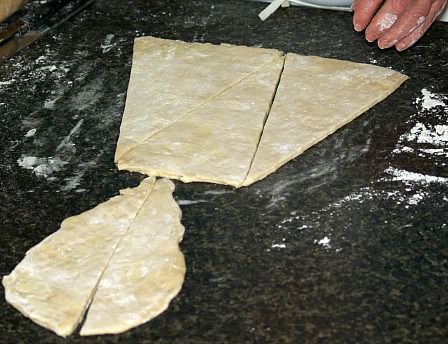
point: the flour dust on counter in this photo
(426, 141)
(119, 262)
(70, 93)
(428, 136)
(46, 167)
(399, 186)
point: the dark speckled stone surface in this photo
(346, 244)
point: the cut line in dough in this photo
(228, 136)
(58, 278)
(216, 142)
(327, 94)
(146, 271)
(153, 102)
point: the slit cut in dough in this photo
(58, 278)
(315, 97)
(196, 112)
(172, 79)
(146, 271)
(216, 142)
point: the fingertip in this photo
(357, 27)
(385, 42)
(370, 35)
(383, 45)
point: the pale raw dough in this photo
(146, 271)
(315, 97)
(216, 142)
(54, 283)
(196, 112)
(171, 79)
(123, 254)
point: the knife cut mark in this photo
(98, 281)
(266, 117)
(214, 97)
(44, 286)
(201, 104)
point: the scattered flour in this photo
(325, 242)
(42, 167)
(412, 177)
(387, 22)
(7, 82)
(421, 20)
(31, 132)
(217, 192)
(190, 202)
(49, 103)
(415, 199)
(430, 100)
(427, 138)
(278, 246)
(46, 166)
(436, 135)
(107, 44)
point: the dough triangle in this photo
(315, 97)
(216, 142)
(169, 79)
(146, 271)
(54, 283)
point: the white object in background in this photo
(444, 15)
(271, 9)
(337, 5)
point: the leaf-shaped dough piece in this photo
(146, 271)
(54, 283)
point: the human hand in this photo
(398, 23)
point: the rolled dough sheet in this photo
(171, 79)
(54, 283)
(315, 97)
(146, 271)
(195, 112)
(215, 142)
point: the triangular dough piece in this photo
(315, 97)
(169, 79)
(54, 283)
(146, 271)
(216, 142)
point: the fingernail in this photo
(400, 47)
(386, 45)
(369, 37)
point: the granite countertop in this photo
(348, 243)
